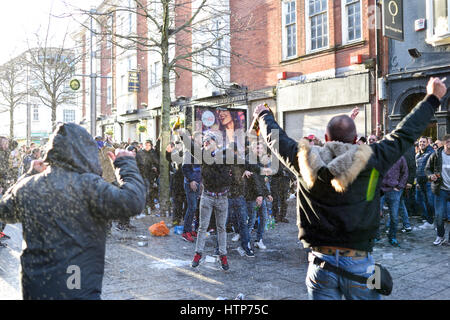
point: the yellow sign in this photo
(75, 84)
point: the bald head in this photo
(341, 128)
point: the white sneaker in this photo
(236, 237)
(259, 244)
(439, 241)
(142, 215)
(427, 225)
(241, 251)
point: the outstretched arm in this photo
(395, 144)
(280, 144)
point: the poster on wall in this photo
(228, 124)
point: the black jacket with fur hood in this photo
(338, 192)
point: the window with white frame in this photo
(438, 30)
(68, 115)
(109, 95)
(351, 20)
(154, 74)
(289, 23)
(317, 24)
(218, 59)
(35, 113)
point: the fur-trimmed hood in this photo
(344, 161)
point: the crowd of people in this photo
(221, 187)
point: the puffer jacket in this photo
(338, 185)
(64, 213)
(421, 162)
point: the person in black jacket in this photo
(65, 210)
(279, 187)
(216, 181)
(176, 181)
(438, 172)
(148, 164)
(244, 179)
(408, 195)
(258, 189)
(424, 195)
(338, 193)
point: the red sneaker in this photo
(2, 235)
(187, 237)
(196, 260)
(224, 262)
(194, 234)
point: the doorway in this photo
(409, 103)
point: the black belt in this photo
(216, 194)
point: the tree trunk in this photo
(164, 196)
(54, 116)
(165, 137)
(11, 122)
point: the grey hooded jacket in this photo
(64, 213)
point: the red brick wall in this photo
(263, 45)
(142, 57)
(105, 69)
(183, 84)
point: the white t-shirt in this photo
(445, 171)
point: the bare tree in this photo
(51, 68)
(12, 88)
(190, 36)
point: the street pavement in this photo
(161, 268)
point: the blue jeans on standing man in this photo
(425, 200)
(392, 200)
(191, 199)
(237, 208)
(441, 202)
(325, 285)
(253, 213)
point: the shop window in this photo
(438, 29)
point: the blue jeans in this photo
(238, 208)
(441, 202)
(392, 200)
(402, 212)
(191, 199)
(425, 200)
(252, 213)
(325, 285)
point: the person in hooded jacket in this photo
(64, 206)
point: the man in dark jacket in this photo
(338, 193)
(64, 212)
(409, 192)
(192, 173)
(424, 196)
(148, 164)
(438, 171)
(279, 187)
(4, 177)
(245, 179)
(216, 180)
(392, 186)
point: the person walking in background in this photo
(424, 196)
(393, 184)
(438, 172)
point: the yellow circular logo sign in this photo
(75, 84)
